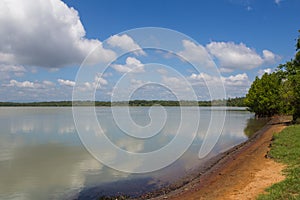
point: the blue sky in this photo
(44, 43)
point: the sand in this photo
(243, 172)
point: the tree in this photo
(291, 75)
(262, 97)
(279, 92)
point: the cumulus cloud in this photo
(100, 80)
(48, 83)
(125, 43)
(269, 57)
(45, 33)
(196, 54)
(179, 87)
(202, 76)
(225, 70)
(176, 82)
(24, 84)
(238, 56)
(132, 65)
(263, 71)
(98, 83)
(237, 80)
(162, 71)
(137, 83)
(28, 84)
(38, 90)
(235, 85)
(11, 70)
(66, 82)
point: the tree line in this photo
(278, 92)
(238, 101)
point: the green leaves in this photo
(279, 92)
(262, 97)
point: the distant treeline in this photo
(236, 102)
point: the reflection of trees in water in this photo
(253, 125)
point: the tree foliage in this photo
(262, 97)
(279, 92)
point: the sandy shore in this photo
(243, 172)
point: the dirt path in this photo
(242, 174)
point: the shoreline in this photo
(224, 175)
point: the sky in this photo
(46, 45)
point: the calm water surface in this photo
(42, 157)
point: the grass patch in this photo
(286, 149)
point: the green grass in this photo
(286, 149)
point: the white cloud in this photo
(132, 65)
(137, 83)
(236, 80)
(179, 86)
(24, 84)
(196, 54)
(229, 56)
(202, 76)
(98, 83)
(238, 56)
(225, 70)
(277, 1)
(263, 71)
(66, 82)
(269, 57)
(27, 90)
(87, 86)
(126, 43)
(48, 83)
(28, 84)
(100, 80)
(11, 70)
(235, 85)
(45, 33)
(162, 71)
(173, 81)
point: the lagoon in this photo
(42, 156)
